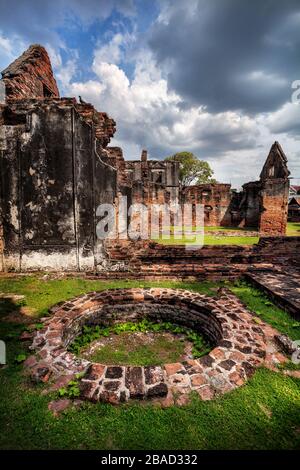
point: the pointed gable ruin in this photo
(30, 76)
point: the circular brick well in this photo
(239, 344)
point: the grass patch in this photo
(210, 240)
(40, 294)
(130, 349)
(293, 229)
(223, 240)
(265, 414)
(126, 347)
(213, 228)
(261, 305)
(289, 365)
(229, 229)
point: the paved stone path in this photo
(242, 343)
(283, 287)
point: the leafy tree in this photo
(191, 169)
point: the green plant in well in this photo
(70, 391)
(20, 358)
(124, 349)
(92, 333)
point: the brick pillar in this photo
(144, 156)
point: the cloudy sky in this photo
(209, 76)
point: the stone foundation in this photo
(241, 343)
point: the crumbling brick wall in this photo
(148, 260)
(51, 188)
(216, 200)
(261, 205)
(274, 200)
(30, 76)
(52, 178)
(104, 126)
(274, 193)
(153, 182)
(114, 157)
(264, 203)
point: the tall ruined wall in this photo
(30, 76)
(114, 157)
(251, 204)
(274, 201)
(51, 184)
(264, 203)
(274, 193)
(104, 126)
(52, 175)
(153, 182)
(216, 200)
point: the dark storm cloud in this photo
(230, 54)
(207, 143)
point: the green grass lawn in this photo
(293, 229)
(211, 240)
(264, 414)
(217, 228)
(242, 240)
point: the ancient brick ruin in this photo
(57, 167)
(30, 76)
(240, 345)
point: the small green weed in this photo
(92, 333)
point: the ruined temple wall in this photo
(50, 188)
(274, 202)
(274, 193)
(114, 157)
(104, 126)
(30, 76)
(215, 198)
(152, 181)
(251, 205)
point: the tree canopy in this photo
(191, 169)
